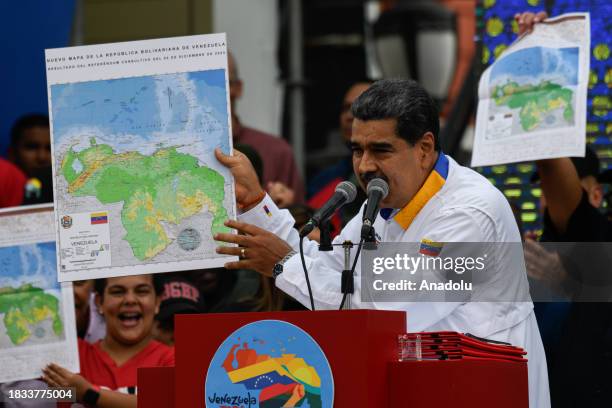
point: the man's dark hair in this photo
(158, 285)
(404, 100)
(27, 122)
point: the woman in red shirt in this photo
(108, 367)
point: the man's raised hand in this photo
(248, 189)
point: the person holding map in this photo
(108, 367)
(579, 353)
(431, 200)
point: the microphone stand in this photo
(325, 243)
(369, 237)
(347, 286)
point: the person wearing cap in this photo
(180, 297)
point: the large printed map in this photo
(136, 155)
(532, 99)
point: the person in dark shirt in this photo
(572, 195)
(581, 360)
(580, 356)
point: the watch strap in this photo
(91, 397)
(278, 267)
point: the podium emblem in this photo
(269, 364)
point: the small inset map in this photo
(30, 297)
(532, 89)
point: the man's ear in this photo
(428, 143)
(427, 147)
(596, 195)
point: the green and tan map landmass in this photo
(27, 306)
(166, 186)
(534, 101)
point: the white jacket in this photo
(457, 205)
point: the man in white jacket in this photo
(431, 199)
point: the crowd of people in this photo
(390, 128)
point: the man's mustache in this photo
(367, 177)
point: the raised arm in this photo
(561, 188)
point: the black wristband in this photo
(91, 397)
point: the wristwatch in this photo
(91, 396)
(278, 267)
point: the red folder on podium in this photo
(453, 346)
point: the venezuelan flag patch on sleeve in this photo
(267, 211)
(430, 248)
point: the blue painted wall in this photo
(27, 27)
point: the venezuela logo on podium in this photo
(269, 364)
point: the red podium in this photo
(361, 347)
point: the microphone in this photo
(377, 191)
(345, 193)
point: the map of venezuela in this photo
(165, 186)
(535, 101)
(30, 307)
(135, 156)
(538, 84)
(26, 306)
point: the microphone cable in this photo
(312, 306)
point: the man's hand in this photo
(527, 20)
(543, 265)
(282, 195)
(248, 189)
(258, 249)
(57, 376)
